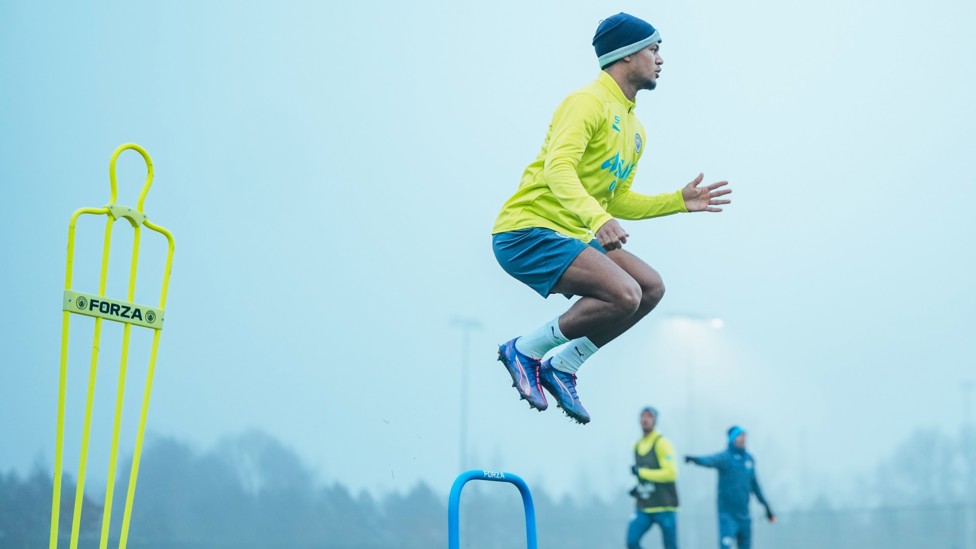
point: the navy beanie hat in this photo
(651, 410)
(734, 432)
(621, 35)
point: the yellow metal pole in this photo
(137, 452)
(120, 396)
(63, 377)
(90, 398)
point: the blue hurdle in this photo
(454, 504)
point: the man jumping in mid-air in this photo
(557, 233)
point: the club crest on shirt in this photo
(637, 142)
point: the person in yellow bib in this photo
(656, 493)
(559, 233)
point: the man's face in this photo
(647, 422)
(740, 441)
(647, 67)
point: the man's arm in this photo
(756, 490)
(754, 486)
(628, 204)
(573, 125)
(714, 461)
(668, 471)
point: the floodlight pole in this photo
(467, 325)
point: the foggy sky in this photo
(331, 175)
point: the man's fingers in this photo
(622, 237)
(720, 192)
(717, 201)
(611, 236)
(714, 186)
(697, 181)
(615, 242)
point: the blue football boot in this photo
(525, 374)
(563, 386)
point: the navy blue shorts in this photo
(538, 257)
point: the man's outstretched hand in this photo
(705, 199)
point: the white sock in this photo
(572, 356)
(537, 342)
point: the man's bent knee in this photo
(628, 299)
(651, 295)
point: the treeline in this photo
(250, 491)
(25, 509)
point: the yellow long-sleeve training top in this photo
(583, 174)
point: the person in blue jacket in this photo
(736, 482)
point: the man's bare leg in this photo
(652, 290)
(617, 289)
(610, 295)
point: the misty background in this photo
(331, 173)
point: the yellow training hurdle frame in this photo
(127, 312)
